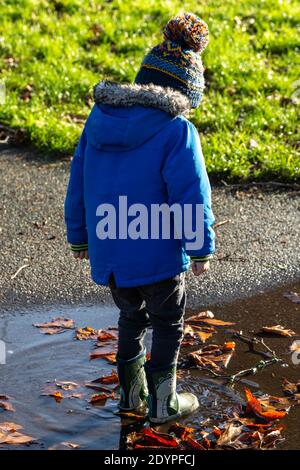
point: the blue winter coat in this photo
(152, 157)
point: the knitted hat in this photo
(176, 62)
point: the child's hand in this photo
(200, 268)
(81, 254)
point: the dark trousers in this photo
(160, 305)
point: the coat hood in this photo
(127, 115)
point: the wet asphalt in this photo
(257, 240)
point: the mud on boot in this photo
(164, 403)
(133, 384)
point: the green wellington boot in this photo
(133, 384)
(163, 401)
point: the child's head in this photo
(176, 62)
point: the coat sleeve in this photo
(188, 185)
(74, 201)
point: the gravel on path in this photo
(257, 240)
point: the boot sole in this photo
(193, 408)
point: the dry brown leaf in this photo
(229, 434)
(193, 332)
(106, 336)
(108, 379)
(291, 388)
(57, 325)
(293, 297)
(9, 434)
(216, 322)
(199, 316)
(278, 330)
(131, 415)
(101, 398)
(110, 357)
(87, 333)
(213, 356)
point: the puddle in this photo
(33, 359)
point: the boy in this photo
(138, 152)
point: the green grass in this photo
(52, 52)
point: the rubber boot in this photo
(164, 403)
(133, 384)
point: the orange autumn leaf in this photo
(101, 397)
(278, 330)
(110, 357)
(57, 395)
(149, 436)
(180, 431)
(254, 405)
(87, 333)
(57, 325)
(200, 316)
(131, 415)
(109, 379)
(216, 322)
(197, 332)
(106, 336)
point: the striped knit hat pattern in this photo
(176, 62)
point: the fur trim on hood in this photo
(167, 99)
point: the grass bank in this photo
(52, 52)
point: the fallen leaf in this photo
(149, 437)
(9, 434)
(278, 330)
(199, 316)
(101, 397)
(110, 357)
(106, 336)
(108, 379)
(229, 434)
(87, 333)
(255, 406)
(180, 431)
(216, 322)
(291, 388)
(198, 332)
(9, 427)
(57, 325)
(213, 356)
(293, 297)
(130, 415)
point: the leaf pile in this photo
(212, 356)
(252, 427)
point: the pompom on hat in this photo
(176, 62)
